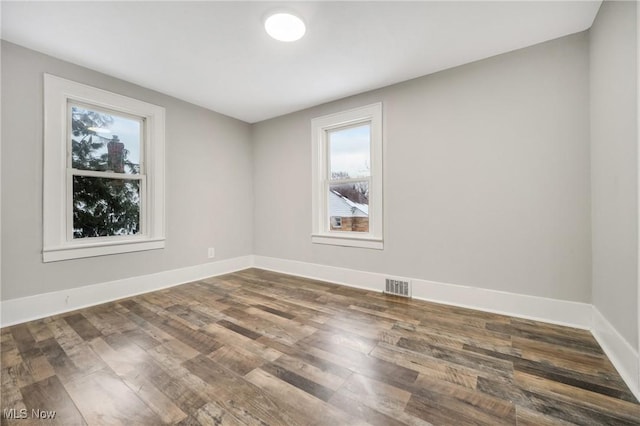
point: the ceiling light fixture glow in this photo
(284, 27)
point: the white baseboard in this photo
(621, 354)
(14, 311)
(23, 309)
(562, 312)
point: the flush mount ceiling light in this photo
(284, 27)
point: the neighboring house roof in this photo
(344, 207)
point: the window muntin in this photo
(347, 178)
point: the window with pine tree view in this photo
(103, 172)
(107, 172)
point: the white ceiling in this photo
(217, 55)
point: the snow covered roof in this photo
(344, 207)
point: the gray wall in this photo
(486, 176)
(209, 195)
(614, 164)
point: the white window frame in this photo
(58, 241)
(321, 232)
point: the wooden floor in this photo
(261, 348)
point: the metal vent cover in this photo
(397, 287)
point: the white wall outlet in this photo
(211, 252)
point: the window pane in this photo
(349, 207)
(104, 141)
(105, 207)
(349, 152)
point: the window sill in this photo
(370, 243)
(82, 250)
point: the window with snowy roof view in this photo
(347, 178)
(349, 166)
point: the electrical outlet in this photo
(211, 252)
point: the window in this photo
(347, 178)
(336, 222)
(103, 172)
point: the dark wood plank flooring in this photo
(260, 348)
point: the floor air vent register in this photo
(397, 287)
